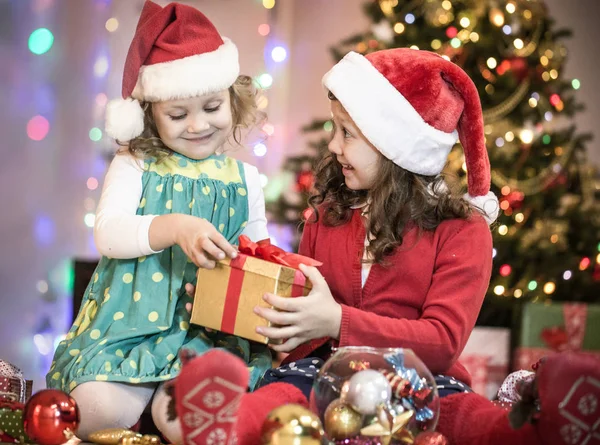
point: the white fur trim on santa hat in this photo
(386, 117)
(487, 205)
(190, 76)
(124, 119)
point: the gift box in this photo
(486, 356)
(13, 387)
(11, 423)
(226, 295)
(550, 328)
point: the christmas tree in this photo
(546, 237)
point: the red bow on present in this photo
(268, 252)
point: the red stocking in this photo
(213, 406)
(568, 392)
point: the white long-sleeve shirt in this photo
(120, 233)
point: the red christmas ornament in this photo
(50, 417)
(305, 181)
(430, 438)
(515, 199)
(519, 68)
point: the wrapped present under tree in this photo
(486, 356)
(549, 328)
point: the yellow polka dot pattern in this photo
(93, 348)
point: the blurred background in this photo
(63, 60)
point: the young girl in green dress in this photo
(172, 202)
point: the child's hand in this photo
(304, 318)
(190, 289)
(201, 241)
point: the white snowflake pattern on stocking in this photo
(571, 434)
(587, 404)
(217, 437)
(214, 399)
(579, 407)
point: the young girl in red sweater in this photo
(406, 262)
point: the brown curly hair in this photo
(397, 197)
(245, 114)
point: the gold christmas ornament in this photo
(292, 425)
(390, 426)
(121, 436)
(341, 420)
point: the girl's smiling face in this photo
(358, 157)
(196, 127)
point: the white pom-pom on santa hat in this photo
(487, 205)
(124, 119)
(176, 53)
(412, 105)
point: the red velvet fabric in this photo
(446, 98)
(166, 34)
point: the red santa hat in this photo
(412, 106)
(176, 53)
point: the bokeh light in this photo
(101, 99)
(260, 149)
(279, 54)
(112, 24)
(92, 183)
(95, 134)
(265, 80)
(269, 4)
(101, 66)
(264, 29)
(38, 128)
(40, 41)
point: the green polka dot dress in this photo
(133, 321)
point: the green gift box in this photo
(549, 328)
(11, 423)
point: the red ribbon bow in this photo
(268, 252)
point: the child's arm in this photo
(256, 229)
(118, 231)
